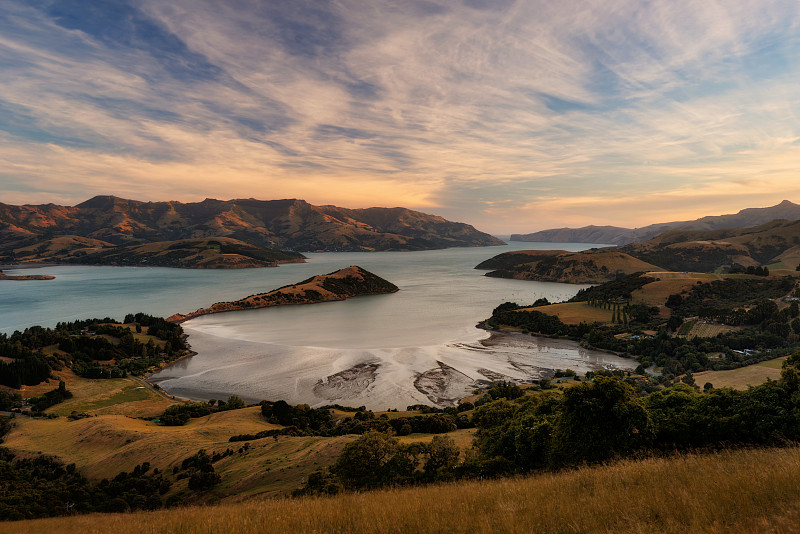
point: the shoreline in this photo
(495, 334)
(25, 277)
(381, 378)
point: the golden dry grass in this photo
(656, 293)
(116, 396)
(575, 312)
(462, 438)
(741, 378)
(103, 446)
(751, 491)
(71, 380)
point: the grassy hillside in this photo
(112, 396)
(772, 243)
(733, 491)
(104, 445)
(744, 377)
(210, 253)
(591, 267)
(575, 312)
(215, 253)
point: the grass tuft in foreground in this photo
(753, 490)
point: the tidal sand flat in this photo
(416, 346)
(378, 378)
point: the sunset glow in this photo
(511, 116)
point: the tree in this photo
(204, 480)
(599, 420)
(234, 402)
(373, 460)
(442, 456)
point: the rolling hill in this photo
(345, 283)
(615, 235)
(204, 253)
(775, 243)
(596, 266)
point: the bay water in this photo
(419, 345)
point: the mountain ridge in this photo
(616, 235)
(291, 224)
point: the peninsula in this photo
(345, 283)
(4, 276)
(774, 245)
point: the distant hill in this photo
(592, 267)
(615, 235)
(106, 221)
(208, 253)
(345, 283)
(776, 243)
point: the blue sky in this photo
(512, 116)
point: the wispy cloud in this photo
(510, 115)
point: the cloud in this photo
(513, 117)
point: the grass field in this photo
(652, 294)
(751, 491)
(656, 293)
(115, 396)
(103, 446)
(576, 312)
(741, 378)
(119, 436)
(462, 438)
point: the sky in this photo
(513, 116)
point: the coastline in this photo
(25, 277)
(496, 337)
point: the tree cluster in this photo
(606, 418)
(769, 331)
(82, 344)
(9, 401)
(45, 487)
(180, 414)
(199, 469)
(50, 398)
(378, 459)
(756, 271)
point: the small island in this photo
(4, 276)
(352, 281)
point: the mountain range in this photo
(615, 235)
(89, 231)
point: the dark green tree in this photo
(599, 420)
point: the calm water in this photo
(430, 277)
(417, 345)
